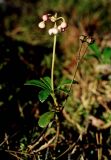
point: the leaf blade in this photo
(47, 82)
(95, 49)
(43, 95)
(106, 55)
(37, 83)
(45, 119)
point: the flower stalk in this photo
(53, 61)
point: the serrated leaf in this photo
(43, 95)
(47, 82)
(37, 83)
(45, 119)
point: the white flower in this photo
(57, 28)
(50, 31)
(53, 31)
(41, 24)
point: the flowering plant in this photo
(46, 84)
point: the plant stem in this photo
(57, 131)
(53, 59)
(78, 61)
(52, 71)
(52, 68)
(79, 58)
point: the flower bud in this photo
(45, 17)
(90, 40)
(41, 24)
(83, 38)
(63, 25)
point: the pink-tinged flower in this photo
(62, 29)
(56, 20)
(45, 17)
(41, 24)
(63, 25)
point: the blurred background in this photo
(26, 51)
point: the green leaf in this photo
(47, 82)
(45, 119)
(37, 83)
(95, 49)
(89, 56)
(43, 95)
(106, 55)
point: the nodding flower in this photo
(53, 31)
(45, 17)
(41, 24)
(59, 23)
(62, 26)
